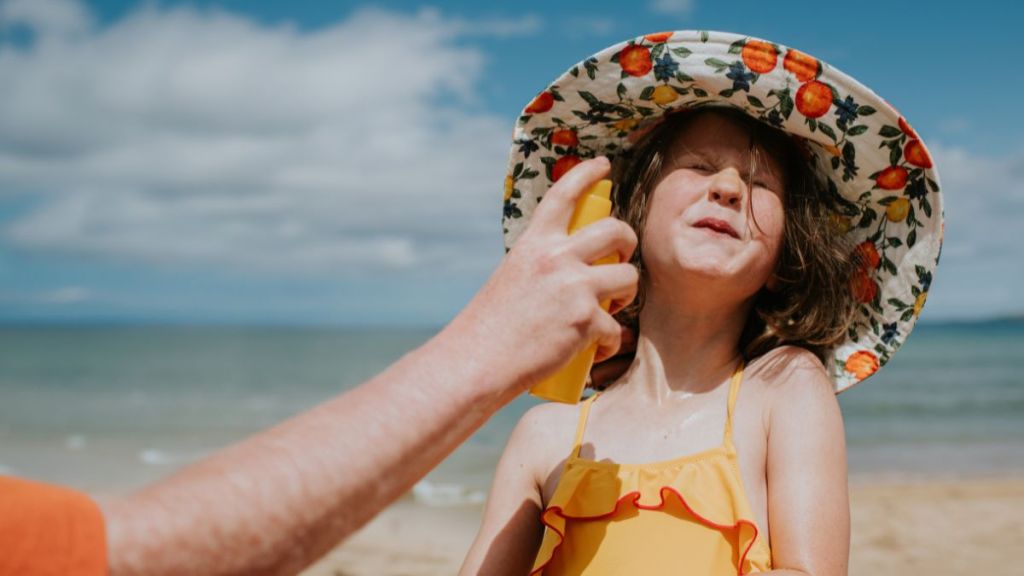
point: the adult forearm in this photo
(276, 502)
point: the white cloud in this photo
(47, 18)
(580, 26)
(184, 136)
(982, 267)
(500, 27)
(672, 7)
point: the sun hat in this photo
(861, 148)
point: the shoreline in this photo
(939, 527)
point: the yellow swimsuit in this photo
(688, 515)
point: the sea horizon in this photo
(109, 407)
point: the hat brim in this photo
(865, 152)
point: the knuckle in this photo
(625, 230)
(580, 316)
(545, 263)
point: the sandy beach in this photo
(941, 527)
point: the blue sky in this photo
(341, 162)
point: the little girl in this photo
(769, 282)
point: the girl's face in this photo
(703, 190)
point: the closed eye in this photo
(699, 166)
(767, 185)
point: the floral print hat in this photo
(863, 150)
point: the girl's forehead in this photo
(718, 134)
(713, 130)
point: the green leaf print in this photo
(888, 131)
(590, 98)
(827, 130)
(716, 63)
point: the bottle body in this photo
(566, 385)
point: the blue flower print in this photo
(925, 278)
(739, 76)
(846, 111)
(889, 332)
(665, 68)
(526, 146)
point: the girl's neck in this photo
(685, 348)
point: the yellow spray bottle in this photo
(567, 384)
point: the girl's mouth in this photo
(717, 225)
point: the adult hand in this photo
(542, 304)
(607, 370)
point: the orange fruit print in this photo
(658, 37)
(563, 165)
(760, 56)
(803, 66)
(542, 103)
(635, 60)
(905, 127)
(565, 138)
(862, 364)
(813, 99)
(892, 178)
(863, 287)
(915, 154)
(866, 255)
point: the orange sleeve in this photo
(47, 530)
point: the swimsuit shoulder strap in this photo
(582, 424)
(734, 388)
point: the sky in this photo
(341, 163)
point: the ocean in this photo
(109, 408)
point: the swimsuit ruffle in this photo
(609, 487)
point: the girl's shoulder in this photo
(786, 366)
(785, 373)
(551, 422)
(544, 435)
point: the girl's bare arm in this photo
(511, 530)
(808, 501)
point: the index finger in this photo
(559, 202)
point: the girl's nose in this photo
(726, 188)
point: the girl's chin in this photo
(706, 270)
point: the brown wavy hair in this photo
(812, 305)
